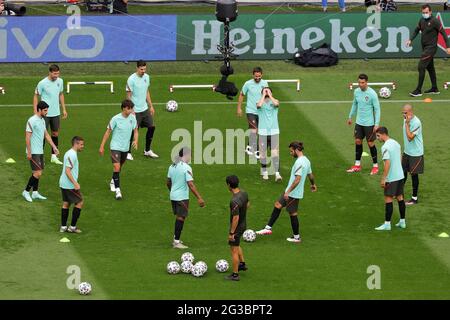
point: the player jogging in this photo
(253, 90)
(293, 193)
(70, 188)
(238, 212)
(179, 181)
(412, 159)
(367, 109)
(35, 133)
(392, 179)
(51, 90)
(138, 91)
(269, 132)
(121, 126)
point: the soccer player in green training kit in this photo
(366, 106)
(51, 90)
(121, 126)
(238, 223)
(70, 188)
(35, 133)
(252, 89)
(138, 92)
(179, 181)
(293, 193)
(269, 132)
(412, 160)
(392, 179)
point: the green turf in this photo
(125, 245)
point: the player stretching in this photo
(293, 192)
(269, 132)
(50, 89)
(35, 133)
(367, 109)
(392, 179)
(412, 160)
(138, 92)
(179, 181)
(70, 188)
(252, 89)
(121, 126)
(238, 212)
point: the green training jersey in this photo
(268, 119)
(391, 151)
(138, 86)
(36, 125)
(366, 106)
(121, 131)
(414, 147)
(49, 92)
(253, 91)
(180, 174)
(70, 161)
(301, 167)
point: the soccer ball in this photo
(385, 92)
(173, 267)
(172, 106)
(187, 256)
(222, 265)
(186, 266)
(249, 235)
(203, 265)
(84, 288)
(197, 271)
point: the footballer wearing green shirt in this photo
(121, 127)
(180, 180)
(51, 90)
(252, 90)
(412, 159)
(293, 192)
(366, 107)
(35, 133)
(70, 188)
(392, 179)
(138, 91)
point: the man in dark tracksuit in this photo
(430, 27)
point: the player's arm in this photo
(69, 175)
(136, 138)
(234, 224)
(292, 186)
(239, 105)
(62, 101)
(196, 193)
(149, 102)
(50, 142)
(28, 143)
(248, 204)
(352, 110)
(387, 166)
(105, 138)
(414, 35)
(313, 184)
(275, 102)
(35, 101)
(260, 102)
(169, 183)
(377, 110)
(410, 134)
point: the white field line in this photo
(230, 103)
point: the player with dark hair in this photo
(70, 188)
(429, 27)
(179, 181)
(238, 223)
(35, 133)
(51, 90)
(252, 89)
(293, 193)
(121, 126)
(366, 106)
(138, 91)
(392, 179)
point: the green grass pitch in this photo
(125, 245)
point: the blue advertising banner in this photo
(88, 38)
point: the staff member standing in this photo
(430, 27)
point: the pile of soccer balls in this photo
(197, 269)
(385, 93)
(172, 106)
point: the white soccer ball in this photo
(222, 265)
(186, 266)
(197, 271)
(187, 256)
(203, 265)
(173, 267)
(385, 92)
(249, 235)
(84, 288)
(172, 106)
